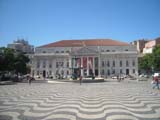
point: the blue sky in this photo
(46, 21)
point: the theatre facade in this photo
(99, 57)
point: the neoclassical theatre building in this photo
(99, 57)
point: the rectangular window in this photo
(56, 64)
(95, 61)
(61, 64)
(44, 64)
(102, 71)
(50, 64)
(133, 70)
(108, 72)
(67, 72)
(120, 71)
(50, 72)
(127, 64)
(67, 64)
(37, 72)
(38, 64)
(57, 72)
(113, 71)
(102, 63)
(108, 64)
(133, 63)
(120, 63)
(113, 63)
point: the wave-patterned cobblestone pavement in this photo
(71, 101)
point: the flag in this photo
(85, 62)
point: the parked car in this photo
(5, 77)
(144, 75)
(38, 76)
(74, 76)
(141, 75)
(114, 77)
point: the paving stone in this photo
(126, 100)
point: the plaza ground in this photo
(110, 100)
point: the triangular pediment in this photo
(84, 51)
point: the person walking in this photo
(80, 80)
(118, 78)
(156, 82)
(93, 77)
(29, 80)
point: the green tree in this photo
(156, 58)
(146, 62)
(11, 61)
(20, 63)
(6, 59)
(150, 62)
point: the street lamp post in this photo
(74, 66)
(152, 69)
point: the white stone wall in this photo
(147, 50)
(108, 53)
(49, 60)
(117, 58)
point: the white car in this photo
(114, 77)
(156, 74)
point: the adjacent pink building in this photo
(149, 46)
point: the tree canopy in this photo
(150, 62)
(146, 61)
(6, 59)
(13, 61)
(156, 58)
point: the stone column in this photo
(87, 67)
(93, 69)
(70, 65)
(82, 66)
(47, 67)
(99, 66)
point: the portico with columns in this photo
(85, 62)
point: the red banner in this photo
(85, 62)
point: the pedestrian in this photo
(155, 82)
(29, 80)
(80, 79)
(93, 76)
(118, 78)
